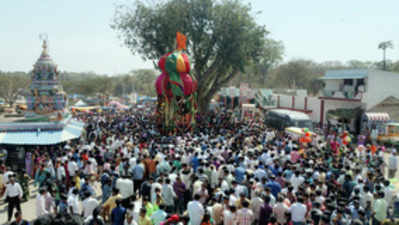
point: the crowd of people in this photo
(226, 172)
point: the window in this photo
(348, 81)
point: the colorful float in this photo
(176, 91)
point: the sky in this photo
(81, 39)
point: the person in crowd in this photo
(13, 195)
(41, 203)
(235, 170)
(195, 210)
(19, 220)
(118, 213)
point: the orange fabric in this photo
(181, 41)
(373, 149)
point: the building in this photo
(47, 121)
(356, 88)
(353, 95)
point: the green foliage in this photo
(297, 74)
(139, 81)
(12, 84)
(223, 37)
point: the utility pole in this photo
(384, 46)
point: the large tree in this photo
(223, 37)
(12, 85)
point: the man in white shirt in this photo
(72, 167)
(89, 204)
(60, 171)
(13, 195)
(73, 202)
(298, 212)
(229, 215)
(392, 164)
(41, 203)
(195, 210)
(296, 180)
(366, 197)
(126, 189)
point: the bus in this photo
(281, 119)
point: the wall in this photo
(332, 85)
(380, 86)
(311, 104)
(314, 105)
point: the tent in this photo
(117, 105)
(80, 103)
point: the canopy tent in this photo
(85, 109)
(80, 103)
(72, 130)
(117, 105)
(382, 116)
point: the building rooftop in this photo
(346, 74)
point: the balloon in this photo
(161, 85)
(187, 83)
(361, 147)
(306, 129)
(302, 140)
(162, 62)
(158, 83)
(308, 140)
(307, 134)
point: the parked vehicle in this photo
(281, 119)
(390, 134)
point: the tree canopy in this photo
(12, 84)
(223, 37)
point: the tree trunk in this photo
(203, 103)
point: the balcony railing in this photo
(342, 94)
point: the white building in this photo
(344, 89)
(356, 88)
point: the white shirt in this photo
(88, 206)
(61, 173)
(13, 190)
(131, 223)
(298, 212)
(296, 181)
(228, 217)
(74, 203)
(366, 197)
(72, 168)
(195, 212)
(41, 205)
(393, 162)
(125, 187)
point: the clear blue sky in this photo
(81, 39)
